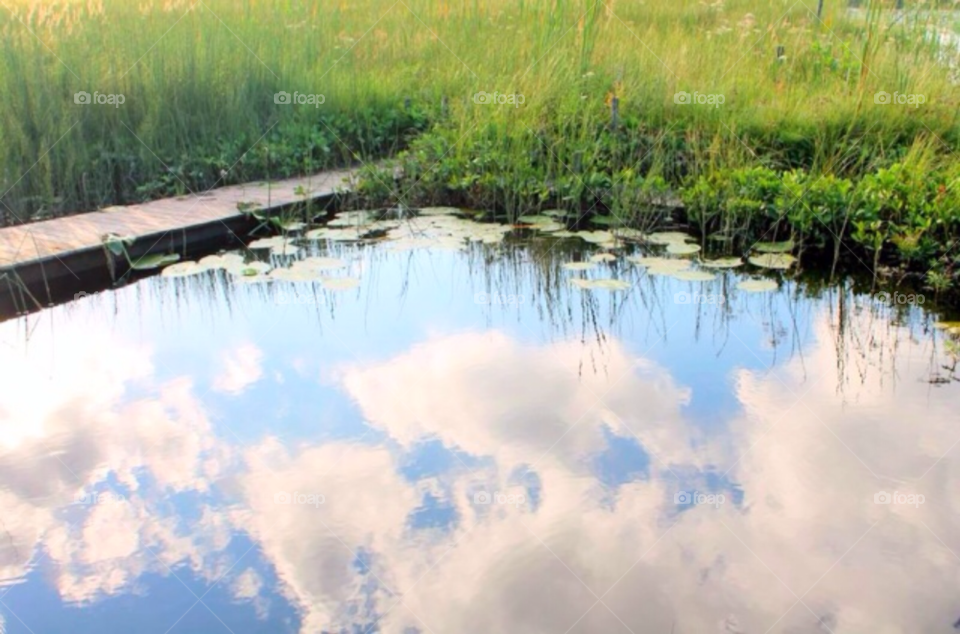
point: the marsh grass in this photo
(199, 80)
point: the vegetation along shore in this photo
(834, 135)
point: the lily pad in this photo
(774, 247)
(249, 269)
(773, 260)
(596, 237)
(562, 234)
(438, 211)
(183, 269)
(606, 284)
(154, 261)
(223, 261)
(603, 257)
(694, 276)
(951, 327)
(722, 263)
(268, 243)
(533, 220)
(758, 286)
(579, 266)
(606, 221)
(680, 248)
(668, 237)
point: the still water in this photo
(467, 442)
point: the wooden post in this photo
(614, 112)
(780, 53)
(819, 9)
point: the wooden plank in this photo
(59, 238)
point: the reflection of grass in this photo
(199, 83)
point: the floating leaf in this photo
(562, 234)
(722, 263)
(154, 261)
(608, 221)
(758, 286)
(596, 237)
(268, 243)
(224, 261)
(773, 260)
(951, 327)
(249, 269)
(606, 284)
(603, 257)
(532, 220)
(774, 247)
(668, 237)
(679, 248)
(438, 211)
(183, 269)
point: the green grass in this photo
(199, 80)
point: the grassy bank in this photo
(799, 143)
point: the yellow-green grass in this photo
(199, 79)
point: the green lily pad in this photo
(606, 284)
(438, 211)
(773, 260)
(603, 257)
(758, 286)
(694, 276)
(562, 234)
(532, 220)
(774, 247)
(154, 261)
(680, 248)
(951, 327)
(596, 237)
(668, 237)
(183, 269)
(606, 221)
(722, 263)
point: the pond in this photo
(439, 432)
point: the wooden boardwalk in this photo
(60, 239)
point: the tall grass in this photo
(199, 80)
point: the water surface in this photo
(466, 442)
